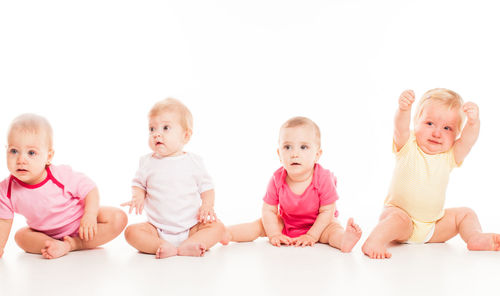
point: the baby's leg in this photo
(110, 223)
(465, 222)
(39, 243)
(144, 237)
(246, 232)
(394, 225)
(335, 236)
(201, 238)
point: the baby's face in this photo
(298, 150)
(27, 155)
(437, 128)
(166, 135)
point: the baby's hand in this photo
(277, 240)
(137, 202)
(88, 227)
(472, 111)
(206, 214)
(304, 240)
(406, 99)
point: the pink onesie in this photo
(299, 212)
(54, 206)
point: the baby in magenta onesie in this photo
(61, 206)
(299, 205)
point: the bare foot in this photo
(166, 250)
(56, 248)
(351, 236)
(191, 249)
(484, 242)
(375, 250)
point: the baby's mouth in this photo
(21, 170)
(295, 163)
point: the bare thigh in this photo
(398, 220)
(447, 227)
(142, 227)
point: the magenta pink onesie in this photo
(54, 206)
(299, 212)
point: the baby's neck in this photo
(299, 183)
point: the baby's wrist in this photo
(313, 236)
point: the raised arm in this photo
(5, 226)
(403, 118)
(324, 218)
(470, 133)
(271, 223)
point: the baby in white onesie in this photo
(175, 190)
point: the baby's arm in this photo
(5, 226)
(403, 118)
(271, 223)
(88, 223)
(206, 212)
(312, 236)
(137, 202)
(470, 132)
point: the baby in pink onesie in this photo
(299, 205)
(61, 206)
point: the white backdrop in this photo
(95, 68)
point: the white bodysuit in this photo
(173, 186)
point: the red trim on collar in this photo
(49, 177)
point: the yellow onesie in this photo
(419, 186)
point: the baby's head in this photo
(29, 148)
(299, 145)
(438, 120)
(170, 127)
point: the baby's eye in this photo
(32, 153)
(428, 123)
(447, 128)
(304, 147)
(151, 129)
(13, 151)
(287, 147)
(166, 127)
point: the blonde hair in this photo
(446, 97)
(303, 121)
(32, 123)
(173, 105)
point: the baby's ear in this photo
(318, 154)
(50, 156)
(187, 135)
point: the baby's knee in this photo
(120, 219)
(467, 212)
(20, 236)
(399, 216)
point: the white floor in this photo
(254, 269)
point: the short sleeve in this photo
(203, 179)
(411, 137)
(6, 210)
(139, 179)
(271, 196)
(327, 188)
(75, 183)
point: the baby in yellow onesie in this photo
(414, 208)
